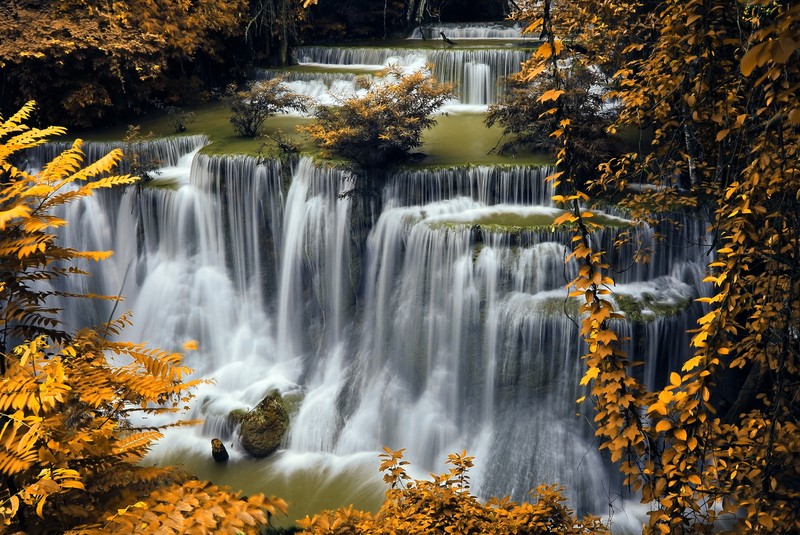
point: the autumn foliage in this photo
(92, 61)
(72, 404)
(444, 505)
(714, 85)
(384, 125)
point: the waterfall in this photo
(485, 184)
(469, 31)
(478, 74)
(432, 316)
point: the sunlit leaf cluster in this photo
(86, 61)
(74, 406)
(444, 505)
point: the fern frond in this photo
(21, 115)
(109, 182)
(104, 165)
(18, 211)
(12, 462)
(95, 256)
(135, 444)
(26, 138)
(40, 222)
(61, 169)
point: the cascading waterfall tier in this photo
(478, 74)
(423, 334)
(469, 31)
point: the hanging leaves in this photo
(717, 88)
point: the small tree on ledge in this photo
(384, 125)
(263, 99)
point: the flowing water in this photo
(402, 320)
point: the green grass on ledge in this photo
(456, 140)
(510, 219)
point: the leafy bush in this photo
(445, 505)
(69, 461)
(525, 114)
(261, 100)
(384, 125)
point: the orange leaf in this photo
(750, 59)
(551, 94)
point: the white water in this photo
(458, 31)
(478, 74)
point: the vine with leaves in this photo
(712, 84)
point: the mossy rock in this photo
(236, 416)
(263, 428)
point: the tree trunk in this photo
(416, 10)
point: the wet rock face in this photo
(218, 451)
(263, 428)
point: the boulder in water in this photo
(218, 451)
(263, 428)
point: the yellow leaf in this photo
(40, 507)
(765, 520)
(544, 51)
(17, 211)
(566, 217)
(691, 363)
(782, 49)
(590, 374)
(722, 134)
(708, 318)
(535, 25)
(692, 19)
(675, 379)
(681, 434)
(190, 345)
(663, 425)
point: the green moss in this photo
(648, 307)
(236, 416)
(511, 221)
(212, 120)
(558, 306)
